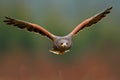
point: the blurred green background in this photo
(97, 46)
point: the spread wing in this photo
(29, 26)
(90, 21)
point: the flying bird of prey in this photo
(61, 44)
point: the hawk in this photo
(61, 44)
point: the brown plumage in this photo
(60, 44)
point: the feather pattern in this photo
(29, 26)
(90, 21)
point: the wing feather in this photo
(90, 21)
(29, 26)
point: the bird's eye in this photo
(61, 43)
(67, 43)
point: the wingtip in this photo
(110, 8)
(8, 20)
(7, 17)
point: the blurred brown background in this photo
(95, 52)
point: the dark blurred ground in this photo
(88, 67)
(95, 52)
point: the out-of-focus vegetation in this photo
(95, 52)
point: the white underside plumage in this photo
(58, 52)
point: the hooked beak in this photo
(64, 45)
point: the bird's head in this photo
(64, 44)
(61, 45)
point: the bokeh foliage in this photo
(59, 17)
